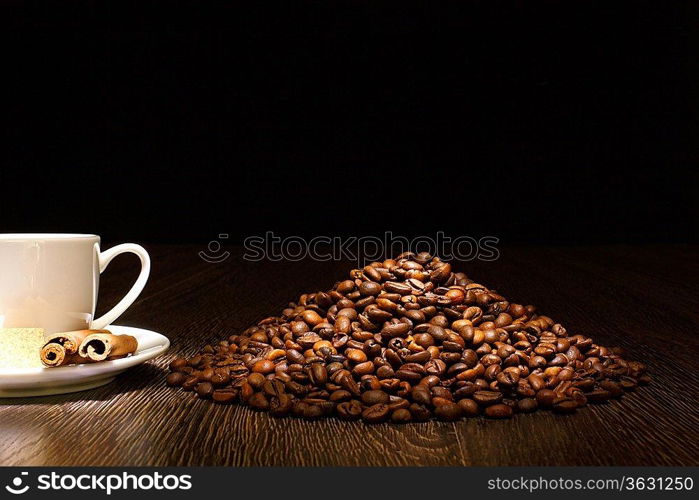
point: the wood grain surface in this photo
(643, 298)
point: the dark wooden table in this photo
(642, 298)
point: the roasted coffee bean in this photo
(441, 273)
(345, 286)
(327, 407)
(295, 388)
(439, 401)
(487, 398)
(598, 396)
(318, 374)
(438, 328)
(372, 348)
(225, 396)
(441, 392)
(469, 408)
(370, 383)
(527, 405)
(204, 390)
(390, 384)
(349, 410)
(339, 396)
(273, 387)
(420, 358)
(508, 378)
(374, 397)
(175, 379)
(385, 372)
(294, 356)
(409, 375)
(187, 370)
(349, 384)
(280, 406)
(313, 412)
(524, 390)
(396, 287)
(393, 358)
(612, 387)
(449, 412)
(585, 385)
(376, 413)
(369, 288)
(470, 358)
(404, 389)
(189, 383)
(492, 372)
(220, 379)
(263, 366)
(356, 355)
(362, 369)
(421, 395)
(577, 395)
(401, 416)
(420, 413)
(312, 318)
(564, 405)
(430, 381)
(545, 350)
(256, 380)
(195, 361)
(298, 408)
(258, 401)
(177, 364)
(395, 330)
(545, 398)
(398, 345)
(396, 402)
(424, 340)
(559, 360)
(498, 411)
(246, 392)
(205, 374)
(465, 391)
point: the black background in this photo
(559, 122)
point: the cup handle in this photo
(104, 259)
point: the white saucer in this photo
(20, 383)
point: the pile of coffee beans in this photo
(407, 340)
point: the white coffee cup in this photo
(51, 281)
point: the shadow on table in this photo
(136, 378)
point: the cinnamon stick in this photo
(53, 355)
(101, 346)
